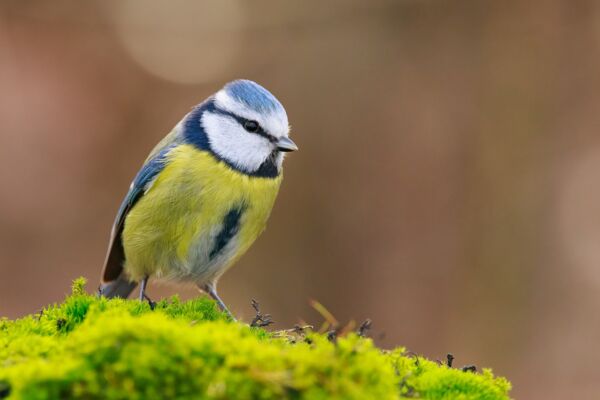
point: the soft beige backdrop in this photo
(448, 183)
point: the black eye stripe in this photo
(242, 121)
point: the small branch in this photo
(469, 368)
(260, 320)
(364, 328)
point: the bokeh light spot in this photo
(180, 41)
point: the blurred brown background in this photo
(448, 183)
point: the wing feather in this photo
(113, 265)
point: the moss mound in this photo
(94, 348)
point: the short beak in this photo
(286, 144)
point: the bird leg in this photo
(143, 295)
(211, 290)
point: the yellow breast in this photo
(172, 229)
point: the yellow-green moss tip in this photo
(94, 348)
(78, 286)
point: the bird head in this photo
(244, 125)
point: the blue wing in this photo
(113, 266)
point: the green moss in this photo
(94, 348)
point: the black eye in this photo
(251, 126)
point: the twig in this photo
(469, 368)
(364, 328)
(260, 320)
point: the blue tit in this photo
(203, 195)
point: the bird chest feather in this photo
(196, 218)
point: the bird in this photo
(202, 196)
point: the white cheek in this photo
(230, 141)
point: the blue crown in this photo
(254, 96)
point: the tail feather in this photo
(120, 287)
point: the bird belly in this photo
(196, 219)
